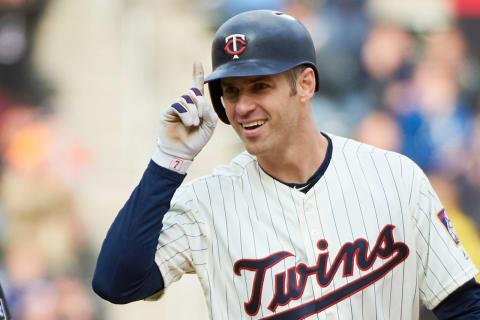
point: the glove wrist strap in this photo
(170, 162)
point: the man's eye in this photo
(260, 86)
(230, 92)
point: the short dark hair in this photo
(292, 76)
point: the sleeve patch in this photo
(445, 220)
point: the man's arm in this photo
(443, 265)
(462, 304)
(126, 270)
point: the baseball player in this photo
(303, 224)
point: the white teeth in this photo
(253, 124)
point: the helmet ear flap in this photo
(215, 90)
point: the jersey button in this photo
(331, 316)
(316, 233)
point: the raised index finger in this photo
(198, 76)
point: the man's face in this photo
(262, 111)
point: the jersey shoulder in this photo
(237, 166)
(400, 167)
(350, 147)
(196, 188)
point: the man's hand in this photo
(186, 126)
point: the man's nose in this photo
(245, 104)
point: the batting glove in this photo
(186, 126)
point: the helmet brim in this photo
(247, 68)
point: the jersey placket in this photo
(311, 233)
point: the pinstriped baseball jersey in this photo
(369, 241)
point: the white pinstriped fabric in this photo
(241, 216)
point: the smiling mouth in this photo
(253, 125)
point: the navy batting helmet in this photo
(254, 43)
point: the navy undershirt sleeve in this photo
(126, 270)
(462, 304)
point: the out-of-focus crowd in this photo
(45, 259)
(404, 76)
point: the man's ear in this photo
(306, 84)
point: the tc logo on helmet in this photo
(236, 44)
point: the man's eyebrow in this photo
(259, 78)
(224, 82)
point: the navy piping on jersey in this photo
(304, 187)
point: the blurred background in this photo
(83, 84)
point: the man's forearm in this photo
(126, 270)
(462, 304)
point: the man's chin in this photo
(255, 146)
(253, 149)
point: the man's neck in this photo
(296, 163)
